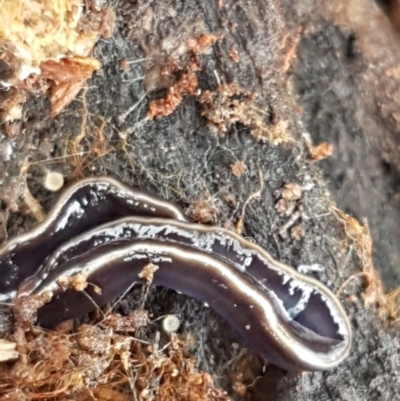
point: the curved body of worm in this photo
(110, 232)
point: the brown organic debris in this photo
(127, 324)
(297, 232)
(93, 339)
(292, 191)
(96, 363)
(201, 211)
(202, 44)
(359, 235)
(11, 107)
(231, 104)
(25, 308)
(76, 282)
(69, 76)
(319, 152)
(185, 77)
(234, 105)
(233, 54)
(283, 206)
(186, 85)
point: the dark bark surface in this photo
(181, 158)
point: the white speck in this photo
(170, 324)
(307, 269)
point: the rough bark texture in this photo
(181, 158)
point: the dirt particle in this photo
(319, 152)
(77, 282)
(147, 272)
(201, 211)
(128, 324)
(297, 232)
(25, 308)
(238, 168)
(292, 191)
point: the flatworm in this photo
(110, 232)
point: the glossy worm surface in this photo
(110, 232)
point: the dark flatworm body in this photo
(85, 205)
(291, 319)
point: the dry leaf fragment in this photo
(69, 76)
(69, 69)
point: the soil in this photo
(182, 158)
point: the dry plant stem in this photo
(359, 235)
(393, 304)
(239, 224)
(293, 218)
(29, 200)
(121, 117)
